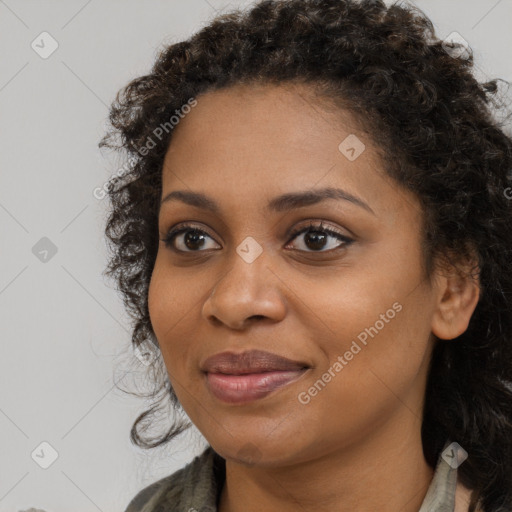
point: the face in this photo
(334, 284)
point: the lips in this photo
(253, 361)
(241, 378)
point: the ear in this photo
(458, 296)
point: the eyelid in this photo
(178, 229)
(319, 225)
(312, 225)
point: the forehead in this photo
(252, 142)
(264, 114)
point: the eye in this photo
(317, 238)
(193, 240)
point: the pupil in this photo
(316, 239)
(192, 237)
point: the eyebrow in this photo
(280, 203)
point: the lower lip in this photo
(236, 389)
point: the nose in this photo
(245, 293)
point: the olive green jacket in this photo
(197, 487)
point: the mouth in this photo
(242, 378)
(243, 388)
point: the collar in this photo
(197, 487)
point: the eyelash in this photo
(183, 228)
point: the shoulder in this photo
(144, 496)
(176, 487)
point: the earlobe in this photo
(458, 297)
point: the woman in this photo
(315, 233)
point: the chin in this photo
(258, 450)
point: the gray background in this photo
(65, 336)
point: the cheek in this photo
(170, 304)
(375, 330)
(171, 297)
(175, 299)
(160, 301)
(373, 368)
(385, 344)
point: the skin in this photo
(356, 446)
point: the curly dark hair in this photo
(436, 127)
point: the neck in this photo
(386, 472)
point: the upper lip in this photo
(252, 361)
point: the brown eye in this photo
(188, 238)
(320, 239)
